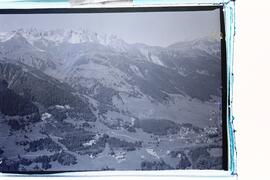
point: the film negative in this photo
(116, 89)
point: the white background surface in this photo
(251, 92)
(252, 89)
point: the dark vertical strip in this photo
(224, 90)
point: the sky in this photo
(152, 28)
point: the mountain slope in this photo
(37, 87)
(12, 104)
(80, 100)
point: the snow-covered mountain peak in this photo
(59, 36)
(5, 36)
(209, 45)
(17, 38)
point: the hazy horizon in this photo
(154, 28)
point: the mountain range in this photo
(75, 93)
